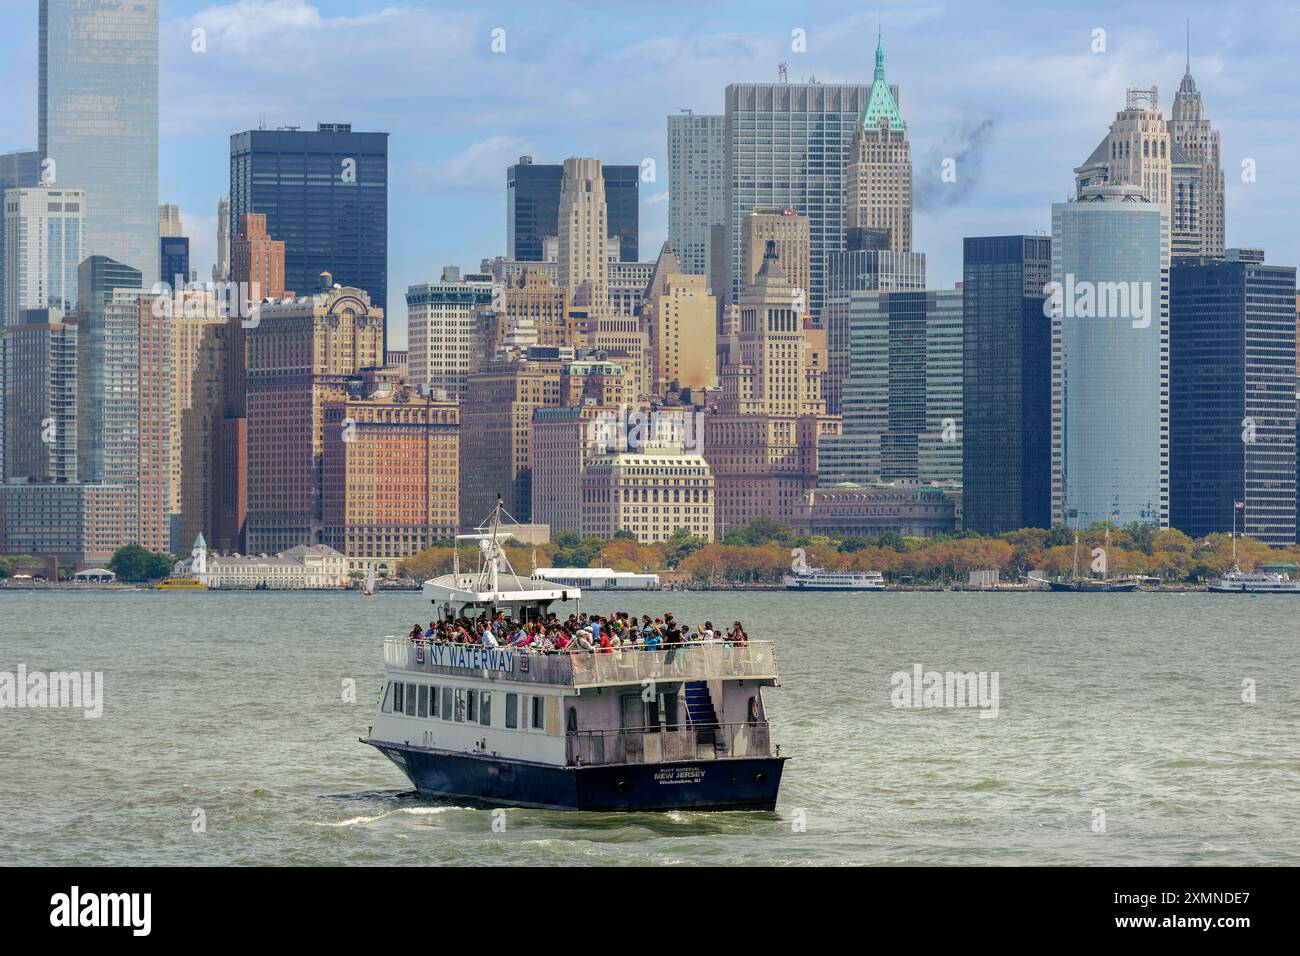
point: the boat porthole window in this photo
(573, 720)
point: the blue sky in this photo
(599, 79)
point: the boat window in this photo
(422, 707)
(573, 720)
(397, 697)
(471, 708)
(539, 713)
(753, 711)
(485, 708)
(387, 705)
(410, 700)
(460, 705)
(433, 701)
(446, 703)
(512, 711)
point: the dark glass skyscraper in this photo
(533, 207)
(174, 259)
(325, 196)
(1006, 384)
(1232, 343)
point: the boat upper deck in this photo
(695, 660)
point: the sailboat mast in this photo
(1076, 545)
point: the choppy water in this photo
(232, 704)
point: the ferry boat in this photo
(629, 730)
(599, 579)
(180, 582)
(819, 579)
(1237, 581)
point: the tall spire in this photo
(1189, 46)
(880, 103)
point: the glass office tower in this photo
(1232, 342)
(1110, 358)
(902, 398)
(788, 146)
(98, 120)
(695, 194)
(1006, 384)
(325, 196)
(533, 208)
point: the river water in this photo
(1121, 735)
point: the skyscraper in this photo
(255, 263)
(678, 315)
(1232, 414)
(301, 353)
(902, 397)
(325, 196)
(1140, 151)
(584, 255)
(122, 392)
(390, 471)
(762, 439)
(16, 170)
(695, 190)
(788, 146)
(40, 352)
(859, 270)
(197, 335)
(1006, 384)
(533, 208)
(793, 238)
(45, 234)
(878, 186)
(98, 120)
(1198, 203)
(221, 268)
(445, 324)
(1110, 357)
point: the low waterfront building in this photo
(850, 510)
(306, 567)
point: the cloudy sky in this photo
(1014, 89)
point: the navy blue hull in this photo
(732, 783)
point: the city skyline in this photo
(448, 177)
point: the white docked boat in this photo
(624, 729)
(1237, 581)
(599, 579)
(819, 579)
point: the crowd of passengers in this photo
(579, 633)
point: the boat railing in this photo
(703, 660)
(660, 744)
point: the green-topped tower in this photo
(878, 181)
